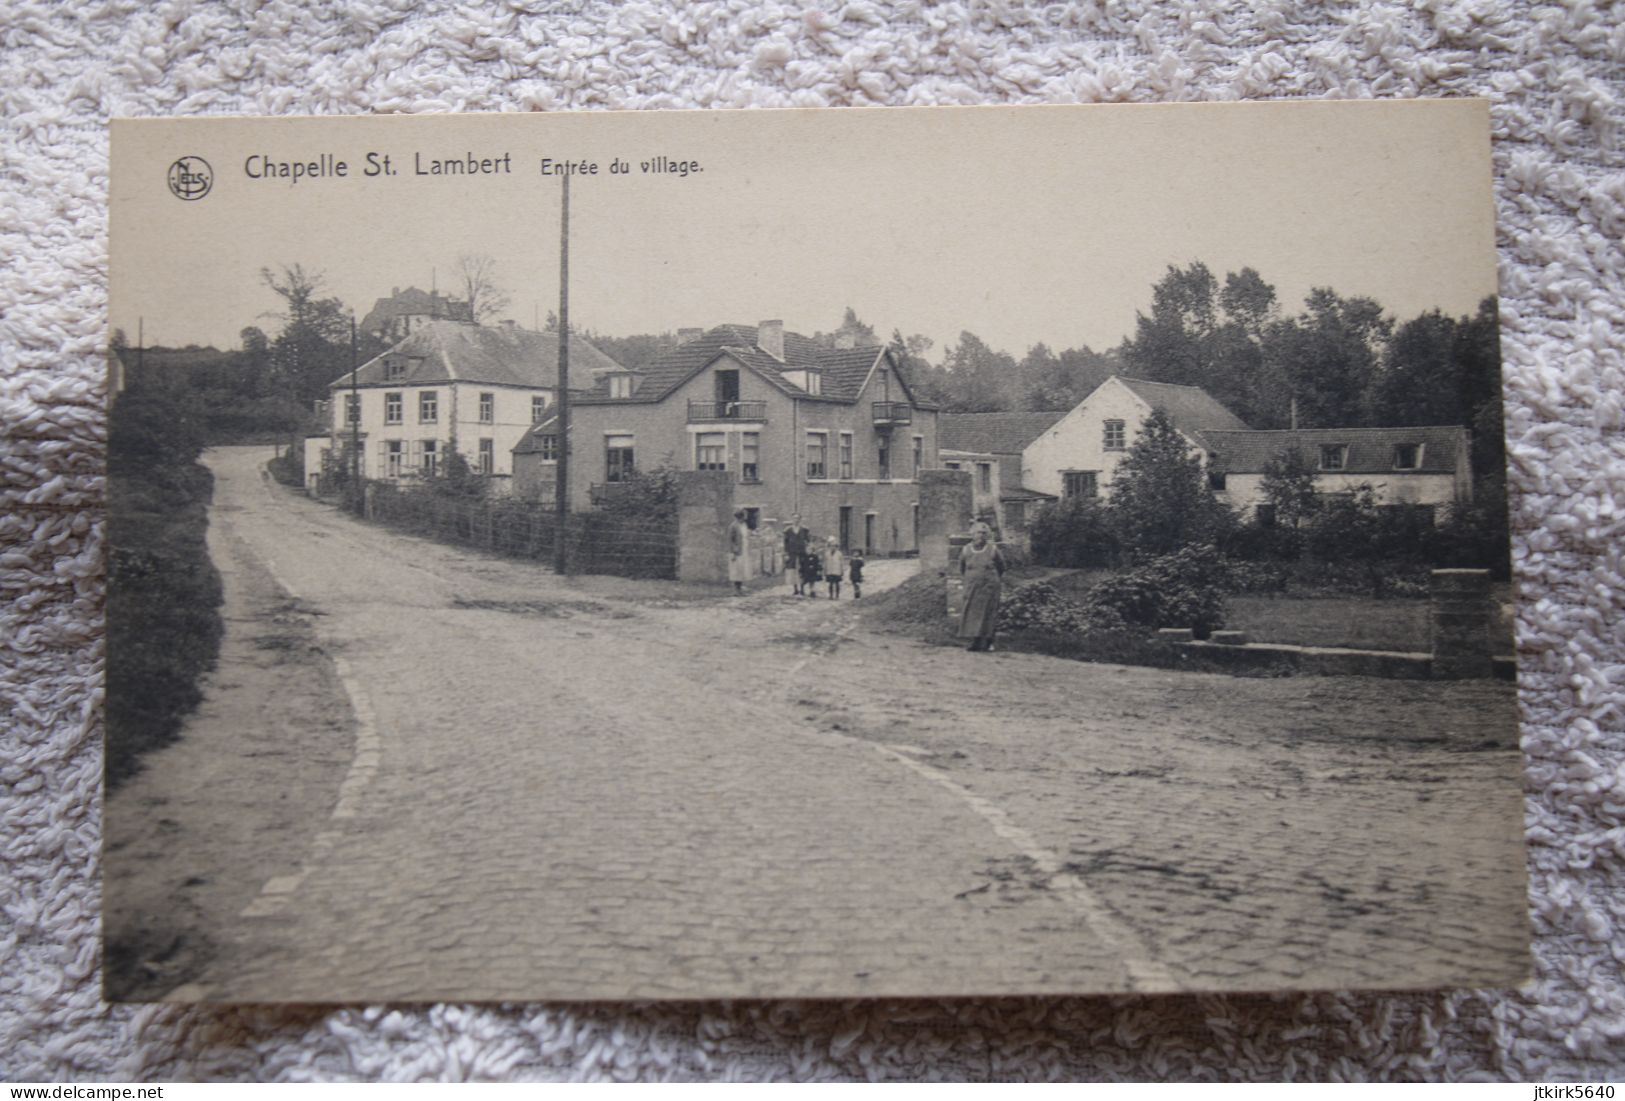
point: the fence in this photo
(595, 542)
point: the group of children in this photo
(806, 565)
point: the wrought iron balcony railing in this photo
(701, 411)
(888, 413)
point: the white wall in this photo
(458, 408)
(1245, 492)
(1078, 440)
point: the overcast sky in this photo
(1020, 225)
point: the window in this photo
(750, 451)
(817, 454)
(753, 517)
(618, 463)
(392, 408)
(1333, 456)
(883, 454)
(1265, 515)
(951, 466)
(428, 407)
(1015, 514)
(846, 454)
(1116, 436)
(711, 451)
(550, 449)
(1407, 456)
(984, 477)
(815, 382)
(1215, 480)
(429, 457)
(1080, 483)
(620, 386)
(538, 408)
(488, 456)
(394, 368)
(352, 408)
(392, 458)
(488, 408)
(919, 454)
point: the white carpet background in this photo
(1556, 74)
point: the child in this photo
(834, 565)
(811, 569)
(856, 571)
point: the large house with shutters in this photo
(830, 433)
(449, 383)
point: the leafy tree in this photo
(1076, 532)
(1172, 343)
(1160, 501)
(861, 334)
(313, 348)
(476, 273)
(979, 379)
(1289, 485)
(1329, 357)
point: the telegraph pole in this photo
(560, 562)
(354, 413)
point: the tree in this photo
(1171, 344)
(1051, 381)
(1289, 485)
(313, 348)
(979, 379)
(476, 272)
(1160, 501)
(1330, 356)
(862, 335)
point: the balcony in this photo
(889, 414)
(702, 412)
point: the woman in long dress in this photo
(982, 566)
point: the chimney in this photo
(686, 335)
(846, 341)
(770, 338)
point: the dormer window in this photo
(620, 386)
(1334, 456)
(394, 367)
(1407, 456)
(809, 379)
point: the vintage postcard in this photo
(914, 552)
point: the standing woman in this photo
(982, 567)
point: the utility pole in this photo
(354, 413)
(560, 559)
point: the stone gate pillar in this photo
(1461, 624)
(705, 506)
(945, 509)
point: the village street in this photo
(422, 773)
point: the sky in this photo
(1021, 225)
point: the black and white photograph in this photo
(926, 552)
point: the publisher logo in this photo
(190, 178)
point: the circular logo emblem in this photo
(190, 178)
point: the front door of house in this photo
(869, 534)
(846, 528)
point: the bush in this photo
(1040, 607)
(1257, 543)
(1183, 589)
(1075, 533)
(1257, 577)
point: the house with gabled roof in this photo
(832, 434)
(1078, 455)
(478, 387)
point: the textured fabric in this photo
(1553, 73)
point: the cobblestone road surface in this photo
(591, 788)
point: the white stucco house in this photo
(482, 386)
(1078, 455)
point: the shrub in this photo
(1075, 533)
(1040, 607)
(1258, 543)
(1183, 589)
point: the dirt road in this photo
(452, 776)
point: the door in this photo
(869, 534)
(846, 528)
(727, 392)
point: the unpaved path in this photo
(585, 787)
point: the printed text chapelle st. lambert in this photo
(470, 165)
